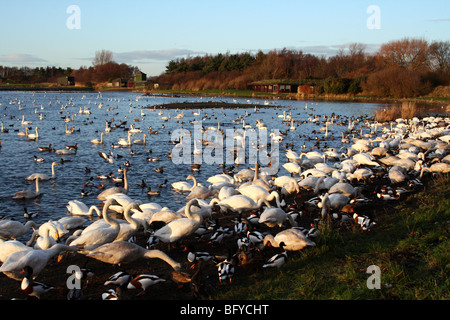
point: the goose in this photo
(76, 207)
(9, 247)
(293, 239)
(28, 194)
(36, 259)
(94, 237)
(256, 192)
(42, 176)
(183, 227)
(239, 203)
(277, 260)
(98, 141)
(125, 252)
(144, 281)
(272, 217)
(31, 287)
(11, 229)
(103, 195)
(49, 148)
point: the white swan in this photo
(256, 192)
(36, 259)
(131, 227)
(198, 191)
(76, 207)
(239, 203)
(272, 217)
(33, 136)
(45, 241)
(9, 247)
(139, 141)
(293, 239)
(180, 228)
(124, 252)
(103, 195)
(125, 142)
(28, 194)
(98, 141)
(95, 237)
(42, 176)
(333, 201)
(11, 229)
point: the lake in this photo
(88, 114)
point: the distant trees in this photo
(409, 68)
(102, 57)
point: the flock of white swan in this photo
(376, 162)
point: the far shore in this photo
(426, 100)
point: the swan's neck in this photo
(125, 180)
(106, 216)
(128, 216)
(157, 254)
(37, 185)
(270, 238)
(92, 209)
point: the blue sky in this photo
(148, 33)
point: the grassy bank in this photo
(410, 244)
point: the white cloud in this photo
(20, 58)
(148, 55)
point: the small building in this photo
(140, 77)
(120, 83)
(66, 81)
(276, 86)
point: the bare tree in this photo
(440, 55)
(410, 54)
(102, 57)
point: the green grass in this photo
(409, 244)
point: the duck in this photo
(183, 227)
(277, 260)
(225, 270)
(293, 240)
(120, 278)
(94, 237)
(29, 215)
(36, 259)
(77, 207)
(151, 192)
(42, 176)
(144, 281)
(194, 256)
(36, 159)
(103, 195)
(11, 229)
(33, 288)
(125, 252)
(111, 294)
(28, 194)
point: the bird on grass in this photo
(33, 288)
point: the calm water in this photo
(47, 110)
